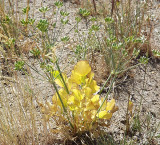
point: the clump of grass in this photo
(20, 119)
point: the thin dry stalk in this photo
(21, 123)
(27, 13)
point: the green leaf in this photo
(24, 10)
(84, 12)
(78, 19)
(156, 53)
(95, 27)
(64, 14)
(144, 60)
(43, 25)
(65, 39)
(19, 65)
(58, 4)
(109, 20)
(36, 52)
(64, 22)
(44, 9)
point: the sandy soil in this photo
(144, 85)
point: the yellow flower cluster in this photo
(81, 100)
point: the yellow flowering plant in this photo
(77, 100)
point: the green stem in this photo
(59, 94)
(34, 70)
(128, 68)
(100, 92)
(65, 86)
(54, 85)
(107, 94)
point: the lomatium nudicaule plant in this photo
(77, 101)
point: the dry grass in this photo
(21, 122)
